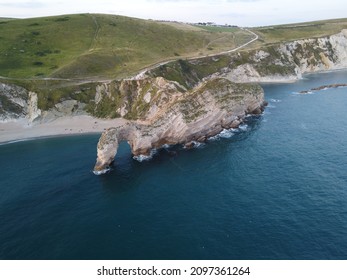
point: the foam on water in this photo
(141, 158)
(214, 138)
(101, 172)
(243, 127)
(226, 133)
(301, 93)
(196, 145)
(270, 106)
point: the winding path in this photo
(96, 33)
(143, 71)
(256, 37)
(234, 49)
(244, 45)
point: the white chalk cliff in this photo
(289, 61)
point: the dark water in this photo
(277, 190)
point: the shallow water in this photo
(276, 189)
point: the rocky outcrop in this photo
(186, 117)
(289, 61)
(135, 99)
(18, 103)
(13, 102)
(63, 108)
(33, 111)
(323, 88)
(201, 97)
(282, 62)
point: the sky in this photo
(235, 12)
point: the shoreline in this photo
(19, 130)
(303, 76)
(46, 137)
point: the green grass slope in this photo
(39, 46)
(291, 32)
(101, 46)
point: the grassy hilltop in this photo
(291, 32)
(101, 46)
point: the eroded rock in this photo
(190, 118)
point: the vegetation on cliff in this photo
(290, 32)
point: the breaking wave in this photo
(196, 145)
(100, 172)
(228, 133)
(141, 158)
(275, 100)
(243, 127)
(270, 106)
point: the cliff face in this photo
(13, 102)
(201, 97)
(135, 99)
(289, 61)
(18, 103)
(188, 116)
(273, 63)
(182, 101)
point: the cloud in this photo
(238, 12)
(173, 1)
(243, 0)
(205, 1)
(26, 5)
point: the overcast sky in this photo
(239, 12)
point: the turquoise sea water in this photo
(276, 189)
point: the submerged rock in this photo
(323, 88)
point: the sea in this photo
(276, 188)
